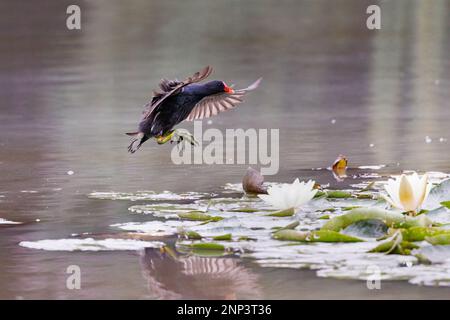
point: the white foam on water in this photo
(373, 167)
(4, 221)
(147, 195)
(156, 228)
(89, 244)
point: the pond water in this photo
(330, 86)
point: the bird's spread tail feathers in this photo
(138, 139)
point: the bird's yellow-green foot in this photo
(177, 136)
(165, 138)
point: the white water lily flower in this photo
(408, 192)
(289, 195)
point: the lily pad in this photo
(437, 195)
(191, 235)
(390, 218)
(313, 236)
(446, 204)
(435, 254)
(440, 239)
(371, 228)
(283, 213)
(198, 216)
(421, 233)
(391, 247)
(207, 246)
(338, 194)
(223, 237)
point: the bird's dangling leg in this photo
(182, 135)
(165, 138)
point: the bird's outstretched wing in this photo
(170, 87)
(213, 104)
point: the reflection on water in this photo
(173, 276)
(330, 85)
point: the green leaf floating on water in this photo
(370, 228)
(246, 238)
(391, 247)
(207, 246)
(446, 204)
(290, 226)
(368, 187)
(198, 216)
(283, 213)
(391, 219)
(421, 233)
(396, 245)
(313, 236)
(440, 239)
(350, 208)
(223, 237)
(338, 194)
(437, 195)
(191, 235)
(333, 194)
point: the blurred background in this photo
(330, 86)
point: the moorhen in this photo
(184, 100)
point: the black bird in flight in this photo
(184, 100)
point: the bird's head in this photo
(217, 86)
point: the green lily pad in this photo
(338, 194)
(391, 247)
(191, 235)
(437, 195)
(446, 204)
(368, 187)
(246, 238)
(420, 233)
(313, 236)
(207, 246)
(371, 228)
(290, 226)
(391, 219)
(198, 216)
(223, 237)
(435, 254)
(283, 213)
(440, 239)
(320, 194)
(350, 208)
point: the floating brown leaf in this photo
(339, 167)
(253, 182)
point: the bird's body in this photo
(184, 100)
(177, 107)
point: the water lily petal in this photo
(406, 194)
(421, 190)
(392, 188)
(286, 196)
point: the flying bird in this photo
(184, 100)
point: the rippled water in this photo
(67, 97)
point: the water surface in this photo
(67, 97)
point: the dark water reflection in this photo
(67, 97)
